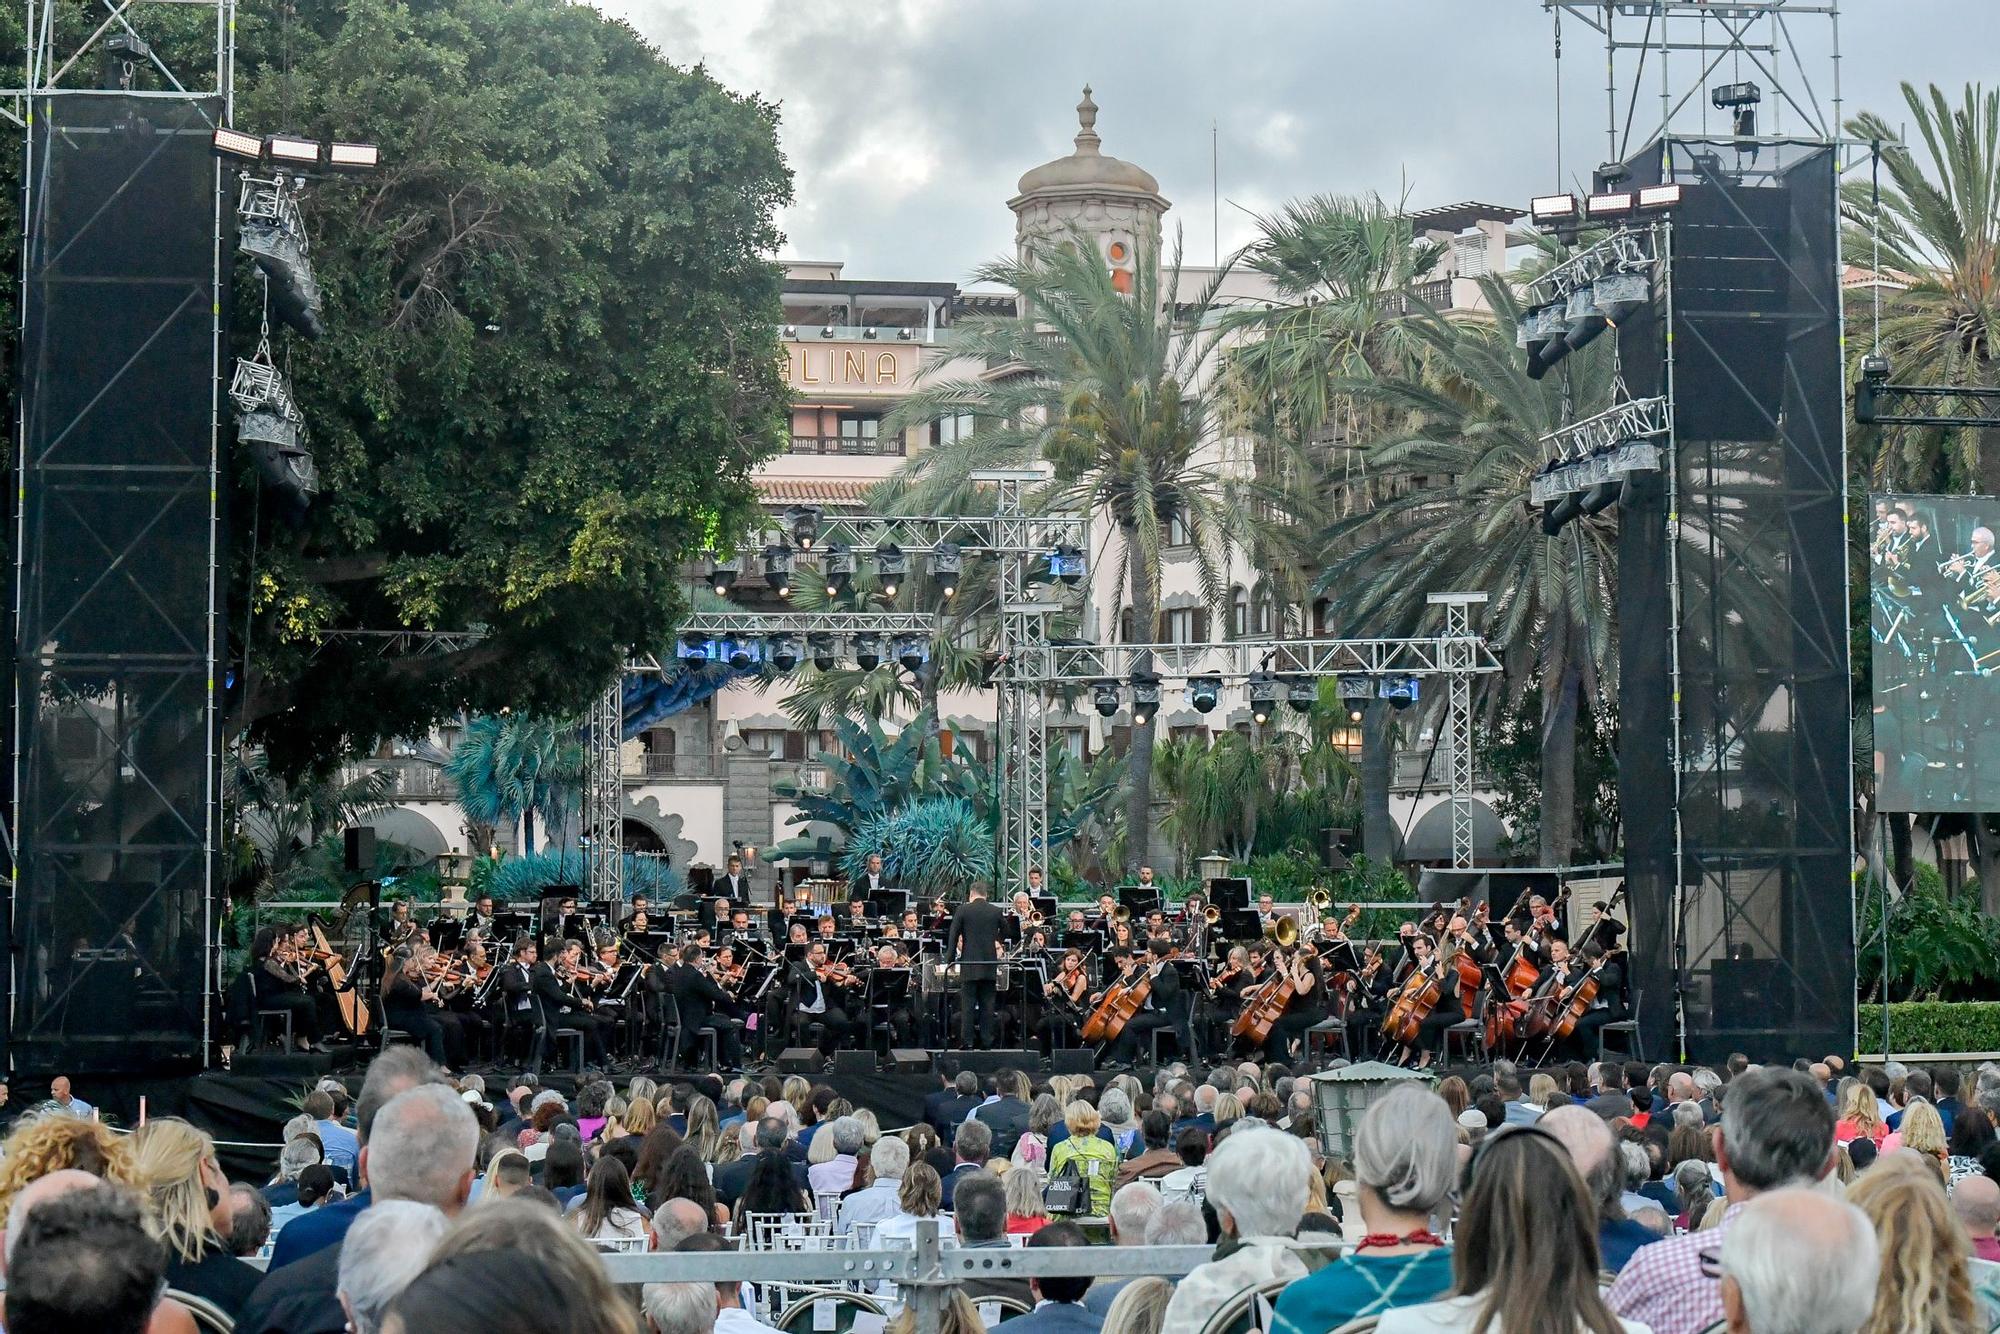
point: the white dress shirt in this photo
(736, 1320)
(870, 1204)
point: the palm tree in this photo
(514, 767)
(1940, 234)
(1456, 469)
(277, 823)
(1104, 388)
(1338, 268)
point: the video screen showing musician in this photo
(973, 943)
(870, 881)
(822, 993)
(1163, 1007)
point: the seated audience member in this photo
(1924, 1286)
(44, 1144)
(1525, 1252)
(189, 1210)
(1405, 1164)
(971, 1144)
(1140, 1307)
(1799, 1262)
(673, 1220)
(679, 1308)
(1976, 1201)
(1027, 1211)
(1257, 1185)
(1777, 1130)
(916, 1199)
(1594, 1152)
(382, 1253)
(1158, 1159)
(1192, 1147)
(887, 1161)
(836, 1174)
(980, 1219)
(608, 1211)
(772, 1188)
(249, 1220)
(85, 1261)
(499, 1292)
(299, 1153)
(730, 1315)
(1132, 1208)
(1059, 1307)
(1178, 1223)
(1094, 1157)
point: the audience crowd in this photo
(1610, 1198)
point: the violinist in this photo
(562, 1006)
(410, 1001)
(1065, 1011)
(900, 1014)
(474, 967)
(278, 965)
(397, 927)
(704, 1008)
(1225, 993)
(1336, 951)
(1425, 958)
(1163, 1008)
(1367, 998)
(1309, 1004)
(820, 992)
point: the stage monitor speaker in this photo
(360, 849)
(1073, 1060)
(910, 1060)
(987, 1062)
(854, 1062)
(799, 1061)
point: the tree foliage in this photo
(505, 767)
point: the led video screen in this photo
(1934, 614)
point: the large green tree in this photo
(551, 359)
(1103, 386)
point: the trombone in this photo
(1212, 915)
(1319, 900)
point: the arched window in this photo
(1127, 623)
(1266, 613)
(1239, 612)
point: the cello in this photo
(1420, 993)
(1121, 1001)
(1265, 1006)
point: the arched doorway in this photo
(639, 837)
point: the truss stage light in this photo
(891, 566)
(236, 146)
(1620, 296)
(1264, 690)
(1204, 693)
(822, 649)
(1067, 564)
(1659, 196)
(911, 652)
(1301, 692)
(740, 654)
(1145, 698)
(291, 150)
(353, 157)
(802, 521)
(1104, 697)
(782, 652)
(721, 576)
(692, 648)
(1552, 208)
(270, 231)
(270, 426)
(778, 569)
(867, 651)
(1400, 691)
(946, 563)
(1583, 321)
(838, 565)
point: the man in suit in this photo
(974, 944)
(868, 881)
(1059, 1307)
(523, 1010)
(563, 1008)
(979, 1213)
(703, 1006)
(947, 1107)
(1163, 1008)
(971, 1146)
(733, 884)
(825, 1002)
(1007, 1115)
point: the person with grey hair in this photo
(1132, 1209)
(419, 1148)
(888, 1160)
(1114, 1112)
(972, 1143)
(385, 1249)
(250, 1220)
(300, 1152)
(1777, 1131)
(1177, 1223)
(676, 1218)
(836, 1174)
(1598, 1157)
(679, 1308)
(1405, 1161)
(1799, 1262)
(1258, 1179)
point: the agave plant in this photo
(526, 876)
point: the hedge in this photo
(1934, 1026)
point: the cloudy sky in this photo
(907, 122)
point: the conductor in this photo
(973, 944)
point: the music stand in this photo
(889, 904)
(1046, 905)
(1227, 892)
(1087, 940)
(1241, 924)
(701, 881)
(1141, 899)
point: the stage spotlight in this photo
(946, 562)
(782, 652)
(1400, 691)
(1204, 693)
(1583, 320)
(891, 565)
(1620, 296)
(236, 146)
(270, 425)
(721, 576)
(1659, 196)
(1301, 692)
(1546, 209)
(1550, 326)
(1263, 696)
(821, 647)
(1355, 690)
(353, 157)
(803, 523)
(1104, 696)
(1145, 698)
(692, 648)
(867, 651)
(911, 652)
(291, 151)
(1067, 564)
(270, 231)
(778, 569)
(838, 566)
(740, 654)
(1611, 204)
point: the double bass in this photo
(1121, 1001)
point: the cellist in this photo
(1308, 1005)
(1163, 1007)
(1424, 958)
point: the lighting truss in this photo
(1619, 440)
(271, 231)
(928, 534)
(270, 424)
(1627, 250)
(1946, 405)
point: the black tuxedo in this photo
(735, 888)
(1163, 1009)
(837, 1026)
(562, 1008)
(862, 886)
(704, 1005)
(522, 1009)
(973, 942)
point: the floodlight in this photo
(1620, 296)
(1263, 696)
(1552, 208)
(821, 646)
(1204, 693)
(1582, 320)
(1659, 196)
(235, 145)
(826, 331)
(946, 562)
(1727, 95)
(1613, 204)
(869, 332)
(890, 566)
(778, 569)
(782, 652)
(791, 331)
(838, 566)
(1400, 691)
(1145, 698)
(803, 521)
(1550, 327)
(740, 654)
(692, 648)
(867, 651)
(911, 652)
(906, 334)
(721, 575)
(1067, 563)
(353, 157)
(1301, 692)
(1104, 695)
(291, 150)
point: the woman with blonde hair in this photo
(919, 1197)
(44, 1144)
(1228, 1108)
(704, 1126)
(188, 1210)
(1925, 1287)
(1140, 1307)
(1026, 1213)
(1545, 1093)
(797, 1091)
(1094, 1158)
(639, 1120)
(1859, 1118)
(1921, 1129)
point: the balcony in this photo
(660, 767)
(1408, 772)
(1436, 294)
(414, 778)
(853, 446)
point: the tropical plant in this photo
(526, 876)
(1939, 235)
(869, 774)
(1939, 946)
(1078, 796)
(516, 767)
(276, 822)
(1243, 799)
(1457, 463)
(1104, 387)
(933, 844)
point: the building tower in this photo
(1113, 201)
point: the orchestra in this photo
(1135, 978)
